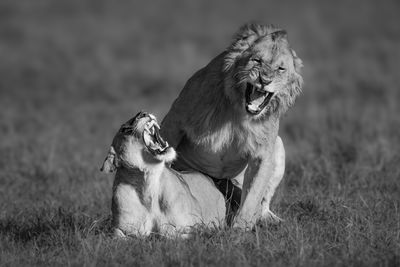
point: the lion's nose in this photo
(267, 82)
(264, 81)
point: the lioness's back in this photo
(210, 199)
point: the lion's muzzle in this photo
(257, 98)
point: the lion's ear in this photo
(243, 39)
(278, 35)
(295, 89)
(296, 85)
(298, 63)
(110, 164)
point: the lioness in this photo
(225, 121)
(148, 196)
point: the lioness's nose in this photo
(140, 115)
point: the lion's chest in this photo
(221, 164)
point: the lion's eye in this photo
(281, 69)
(257, 60)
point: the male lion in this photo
(225, 121)
(147, 194)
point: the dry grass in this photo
(72, 71)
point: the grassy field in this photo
(72, 71)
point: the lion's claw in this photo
(270, 217)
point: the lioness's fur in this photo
(147, 195)
(227, 115)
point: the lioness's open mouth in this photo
(152, 138)
(256, 99)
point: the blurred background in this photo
(71, 71)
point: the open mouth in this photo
(256, 99)
(152, 139)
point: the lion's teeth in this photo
(257, 97)
(253, 107)
(268, 89)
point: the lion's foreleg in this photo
(256, 179)
(276, 178)
(279, 169)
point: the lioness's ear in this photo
(111, 162)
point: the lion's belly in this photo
(224, 164)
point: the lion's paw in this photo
(118, 234)
(269, 217)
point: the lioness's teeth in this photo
(147, 140)
(151, 123)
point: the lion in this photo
(225, 121)
(148, 196)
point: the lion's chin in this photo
(256, 100)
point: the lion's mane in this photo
(243, 40)
(208, 107)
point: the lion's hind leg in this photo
(117, 233)
(232, 192)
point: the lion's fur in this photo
(244, 40)
(208, 107)
(208, 123)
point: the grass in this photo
(73, 71)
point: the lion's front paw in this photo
(242, 223)
(269, 217)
